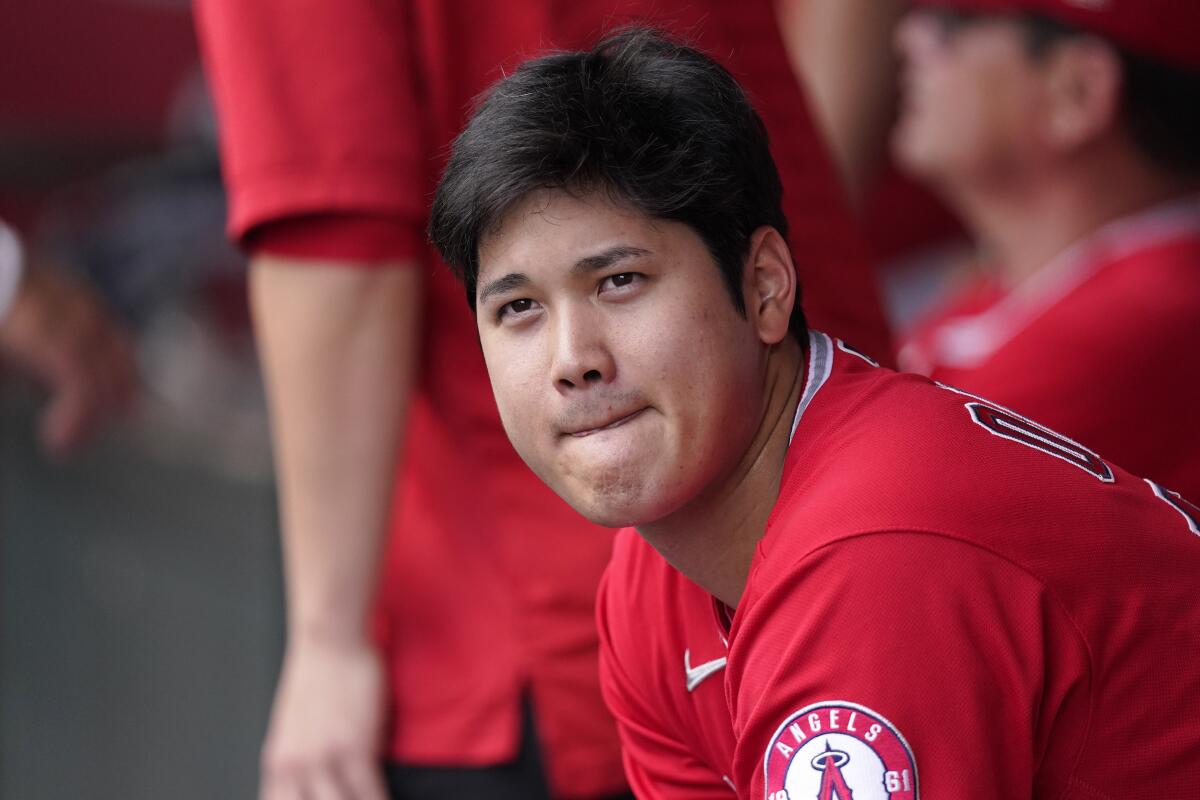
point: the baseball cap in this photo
(1165, 30)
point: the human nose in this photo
(581, 354)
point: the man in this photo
(843, 581)
(1064, 133)
(335, 118)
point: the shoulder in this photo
(895, 637)
(884, 451)
(875, 577)
(901, 453)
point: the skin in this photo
(970, 101)
(1029, 151)
(339, 342)
(60, 334)
(850, 88)
(629, 382)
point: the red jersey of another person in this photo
(346, 110)
(949, 601)
(1100, 344)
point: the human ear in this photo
(1083, 92)
(770, 284)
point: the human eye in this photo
(621, 281)
(516, 309)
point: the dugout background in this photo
(140, 598)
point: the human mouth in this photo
(604, 426)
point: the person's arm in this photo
(320, 132)
(842, 51)
(339, 351)
(56, 330)
(914, 660)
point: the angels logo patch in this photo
(839, 751)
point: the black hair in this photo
(651, 122)
(1160, 102)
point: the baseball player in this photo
(1064, 133)
(841, 581)
(480, 679)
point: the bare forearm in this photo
(338, 347)
(842, 51)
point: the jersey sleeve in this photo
(900, 662)
(317, 108)
(346, 239)
(657, 764)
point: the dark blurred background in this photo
(140, 601)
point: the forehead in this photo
(549, 228)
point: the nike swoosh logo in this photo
(696, 675)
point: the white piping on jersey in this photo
(820, 364)
(968, 342)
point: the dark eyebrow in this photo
(607, 258)
(513, 280)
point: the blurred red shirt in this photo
(1100, 344)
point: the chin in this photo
(619, 499)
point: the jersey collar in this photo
(820, 364)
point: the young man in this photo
(841, 581)
(1064, 134)
(481, 680)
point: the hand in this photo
(60, 334)
(326, 725)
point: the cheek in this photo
(936, 117)
(512, 370)
(676, 344)
(998, 101)
(696, 361)
(962, 109)
(972, 121)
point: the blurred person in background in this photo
(57, 332)
(478, 677)
(843, 52)
(1065, 134)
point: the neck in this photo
(712, 539)
(1022, 227)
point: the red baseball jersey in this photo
(1100, 344)
(345, 111)
(949, 601)
(663, 649)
